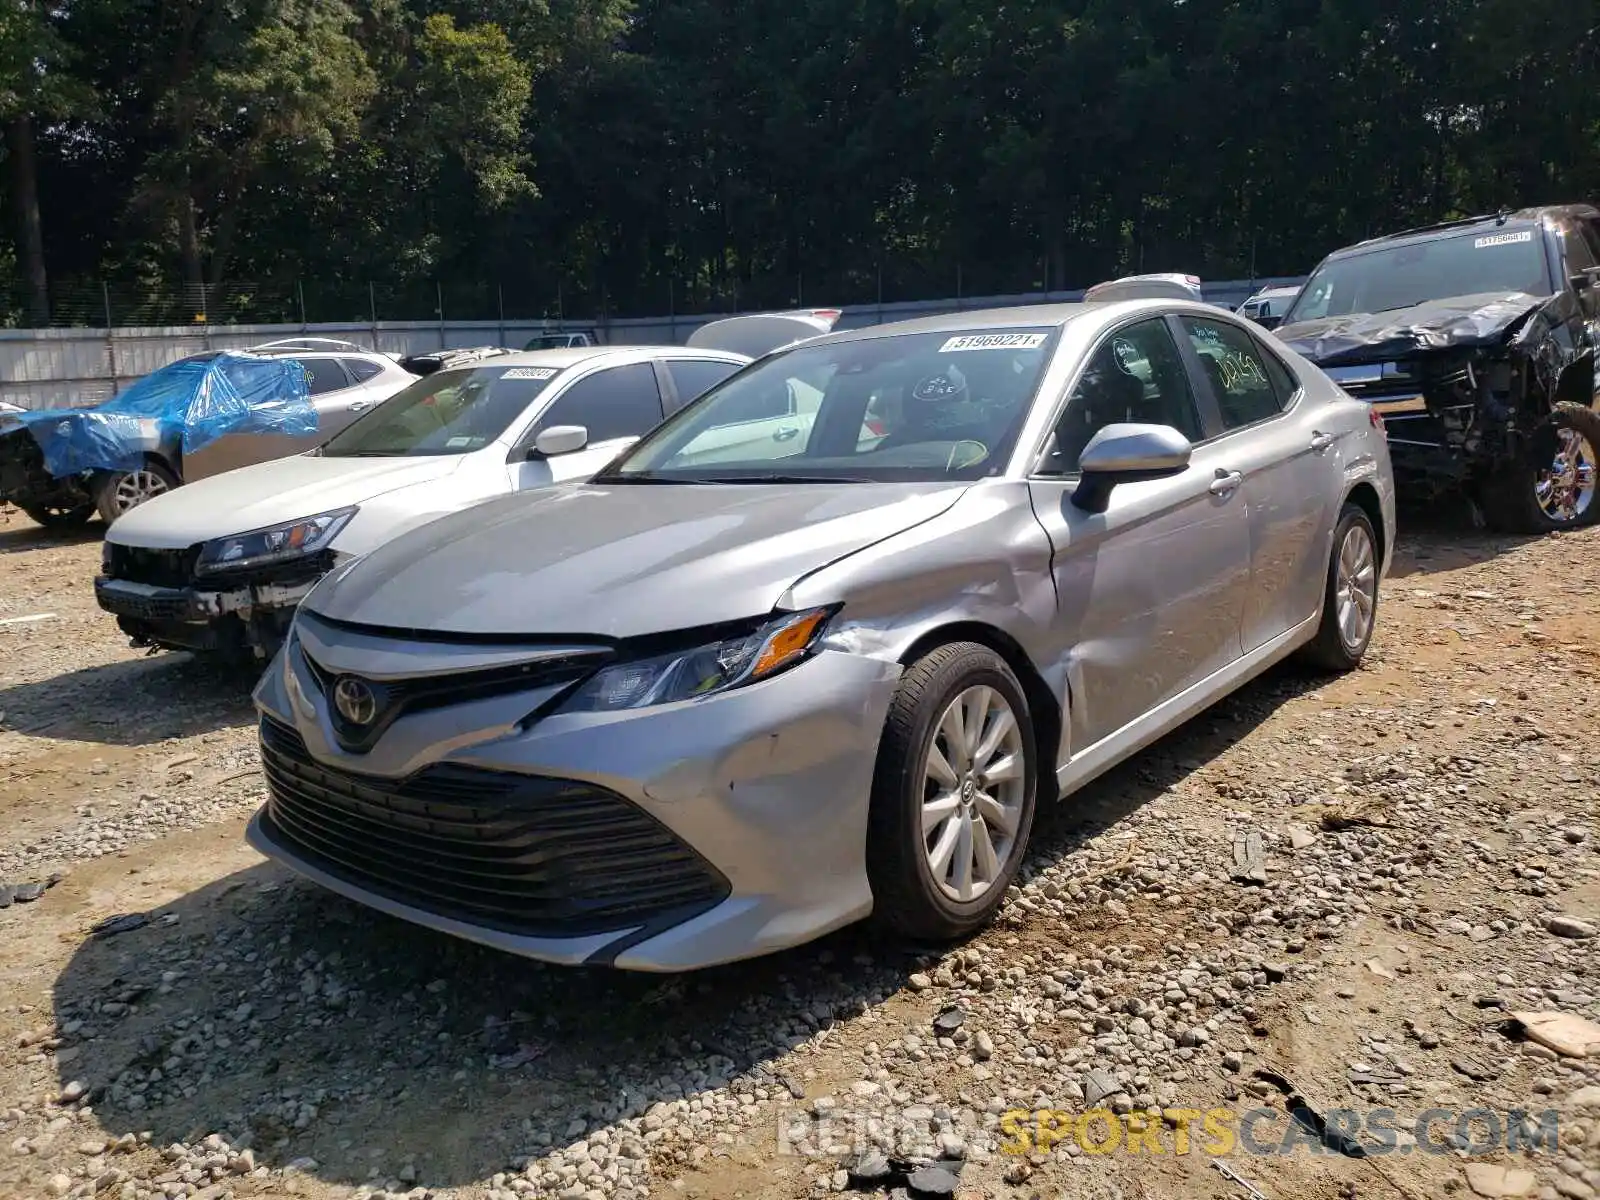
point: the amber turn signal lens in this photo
(788, 643)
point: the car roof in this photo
(1521, 218)
(979, 318)
(572, 356)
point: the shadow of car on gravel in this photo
(307, 1027)
(133, 702)
(20, 533)
(1433, 540)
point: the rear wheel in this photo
(59, 516)
(119, 491)
(1553, 485)
(1350, 602)
(952, 796)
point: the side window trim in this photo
(1292, 401)
(1058, 407)
(1206, 398)
(666, 387)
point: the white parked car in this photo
(1267, 306)
(220, 565)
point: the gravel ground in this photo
(1426, 831)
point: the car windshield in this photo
(904, 406)
(1468, 264)
(448, 412)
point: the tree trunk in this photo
(25, 204)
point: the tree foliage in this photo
(635, 154)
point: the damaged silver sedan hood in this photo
(619, 560)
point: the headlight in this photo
(293, 539)
(768, 649)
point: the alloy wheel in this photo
(974, 782)
(134, 488)
(1356, 586)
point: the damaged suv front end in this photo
(1476, 343)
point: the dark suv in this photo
(1476, 341)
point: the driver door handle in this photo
(785, 433)
(1321, 441)
(360, 405)
(1225, 482)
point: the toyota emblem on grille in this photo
(356, 701)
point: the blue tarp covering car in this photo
(189, 404)
(61, 465)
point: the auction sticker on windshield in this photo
(1503, 239)
(993, 341)
(530, 373)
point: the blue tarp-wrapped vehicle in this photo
(61, 465)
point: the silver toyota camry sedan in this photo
(817, 648)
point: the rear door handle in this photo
(1321, 441)
(1225, 482)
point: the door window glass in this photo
(1237, 370)
(324, 375)
(694, 377)
(1136, 375)
(614, 403)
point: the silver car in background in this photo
(704, 706)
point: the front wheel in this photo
(1350, 598)
(119, 491)
(1552, 485)
(952, 795)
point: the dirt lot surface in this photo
(1426, 828)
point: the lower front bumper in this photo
(193, 618)
(769, 784)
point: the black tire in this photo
(1510, 500)
(1331, 650)
(109, 493)
(56, 517)
(907, 900)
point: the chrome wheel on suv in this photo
(1565, 489)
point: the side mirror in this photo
(1127, 454)
(559, 439)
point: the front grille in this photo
(420, 693)
(516, 853)
(159, 568)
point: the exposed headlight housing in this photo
(773, 646)
(276, 543)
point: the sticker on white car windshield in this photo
(1503, 239)
(459, 441)
(993, 341)
(530, 373)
